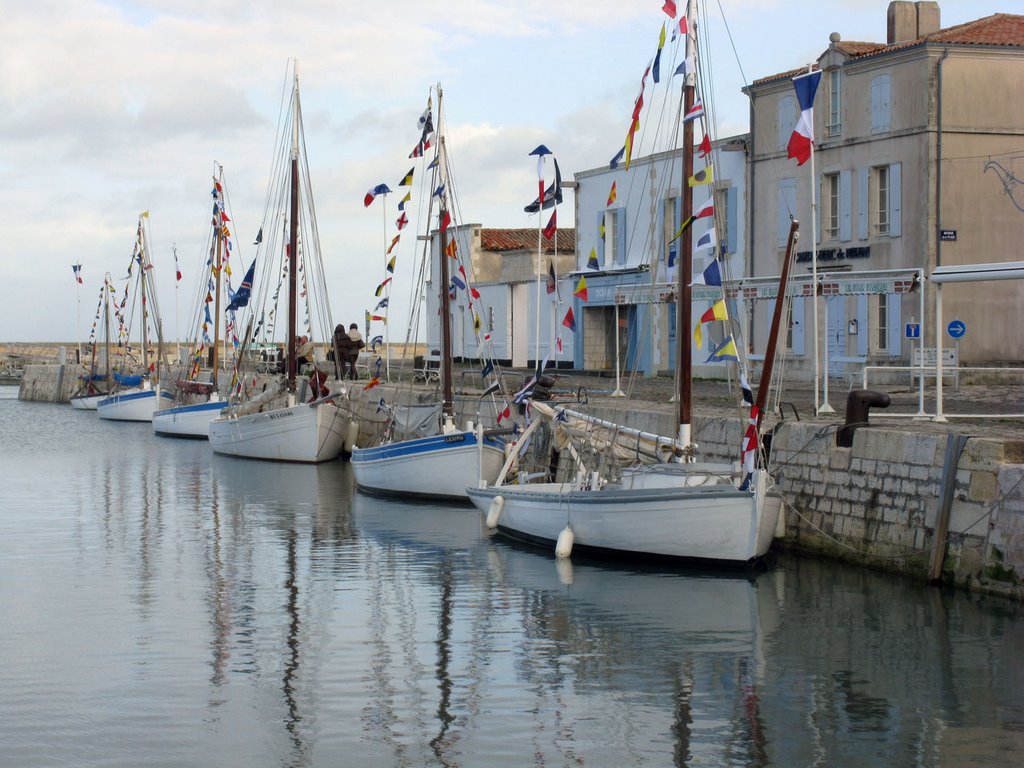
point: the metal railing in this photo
(925, 372)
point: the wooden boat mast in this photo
(447, 407)
(218, 224)
(293, 236)
(143, 246)
(773, 334)
(684, 300)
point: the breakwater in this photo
(940, 502)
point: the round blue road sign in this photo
(956, 328)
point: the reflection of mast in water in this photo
(291, 666)
(444, 680)
(219, 598)
(757, 742)
(682, 715)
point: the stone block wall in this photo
(878, 502)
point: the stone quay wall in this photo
(49, 383)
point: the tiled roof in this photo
(1004, 29)
(998, 29)
(501, 240)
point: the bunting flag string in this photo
(724, 351)
(581, 289)
(656, 73)
(592, 262)
(712, 275)
(717, 312)
(569, 321)
(552, 225)
(612, 195)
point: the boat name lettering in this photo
(454, 438)
(281, 415)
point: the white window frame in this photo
(880, 200)
(830, 206)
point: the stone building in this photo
(918, 141)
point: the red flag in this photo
(704, 148)
(445, 221)
(552, 227)
(669, 8)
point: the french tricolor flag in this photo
(803, 135)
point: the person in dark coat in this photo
(342, 349)
(355, 341)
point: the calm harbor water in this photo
(163, 606)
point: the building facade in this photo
(913, 141)
(509, 272)
(627, 255)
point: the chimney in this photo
(927, 17)
(907, 20)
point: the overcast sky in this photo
(111, 108)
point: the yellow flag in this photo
(144, 215)
(705, 176)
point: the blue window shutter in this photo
(620, 236)
(845, 201)
(875, 110)
(798, 325)
(895, 206)
(881, 109)
(787, 205)
(862, 203)
(730, 220)
(895, 325)
(863, 330)
(785, 120)
(600, 240)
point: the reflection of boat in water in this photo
(578, 641)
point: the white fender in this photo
(563, 547)
(351, 436)
(494, 511)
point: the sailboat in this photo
(441, 465)
(197, 402)
(92, 391)
(277, 422)
(137, 395)
(658, 501)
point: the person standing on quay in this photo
(355, 344)
(342, 349)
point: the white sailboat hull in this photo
(441, 466)
(187, 420)
(133, 405)
(87, 402)
(659, 515)
(305, 432)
